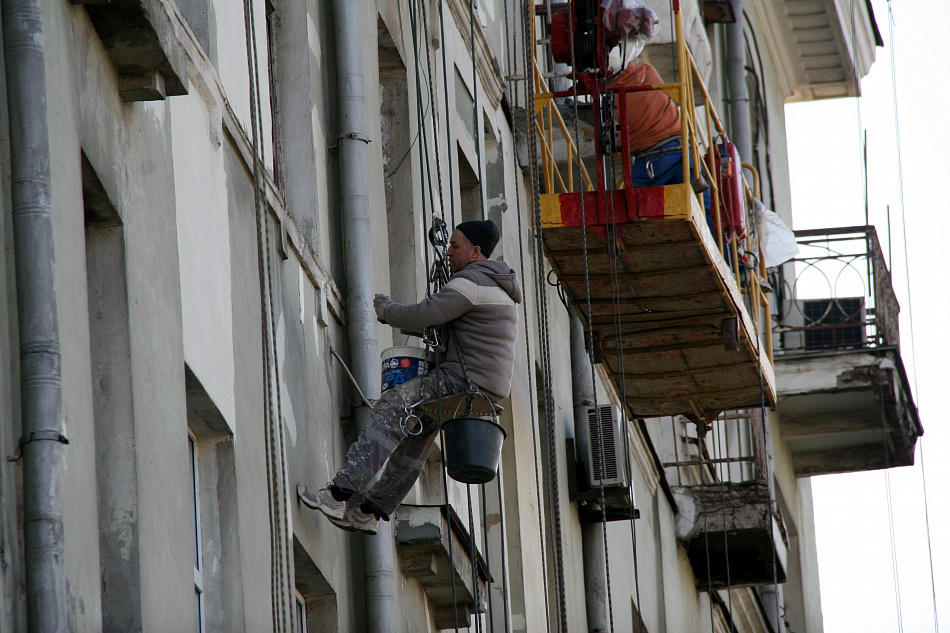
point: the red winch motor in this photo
(731, 198)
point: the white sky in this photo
(852, 518)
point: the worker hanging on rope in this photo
(478, 316)
(653, 118)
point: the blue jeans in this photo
(666, 168)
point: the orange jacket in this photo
(651, 115)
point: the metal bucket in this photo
(472, 449)
(402, 364)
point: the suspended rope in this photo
(437, 238)
(504, 556)
(605, 183)
(590, 338)
(910, 307)
(425, 172)
(274, 446)
(487, 549)
(528, 39)
(450, 145)
(862, 135)
(700, 449)
(725, 478)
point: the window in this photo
(110, 355)
(196, 528)
(470, 191)
(300, 613)
(219, 583)
(315, 601)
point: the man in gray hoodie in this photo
(478, 316)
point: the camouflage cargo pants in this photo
(405, 443)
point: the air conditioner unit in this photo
(606, 455)
(834, 323)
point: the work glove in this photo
(380, 303)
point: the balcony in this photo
(435, 548)
(844, 397)
(141, 38)
(726, 517)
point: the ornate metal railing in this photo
(836, 294)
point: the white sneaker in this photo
(323, 501)
(356, 520)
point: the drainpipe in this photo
(738, 90)
(595, 563)
(42, 445)
(380, 556)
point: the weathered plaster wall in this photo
(178, 175)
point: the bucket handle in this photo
(416, 429)
(472, 393)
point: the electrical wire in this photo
(763, 96)
(910, 307)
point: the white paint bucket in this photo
(401, 364)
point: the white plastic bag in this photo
(776, 240)
(630, 18)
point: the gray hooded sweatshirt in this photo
(480, 304)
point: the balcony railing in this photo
(838, 297)
(844, 399)
(727, 518)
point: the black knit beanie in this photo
(483, 233)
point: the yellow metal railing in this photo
(546, 115)
(549, 124)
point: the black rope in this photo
(491, 609)
(435, 266)
(273, 442)
(725, 478)
(545, 358)
(476, 111)
(448, 127)
(425, 173)
(504, 557)
(590, 351)
(527, 37)
(474, 556)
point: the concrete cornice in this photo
(773, 22)
(202, 73)
(816, 51)
(493, 82)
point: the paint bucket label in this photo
(401, 364)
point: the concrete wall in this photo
(164, 337)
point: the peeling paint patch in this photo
(856, 376)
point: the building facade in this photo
(229, 185)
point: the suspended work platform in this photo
(669, 321)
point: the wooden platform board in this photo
(658, 308)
